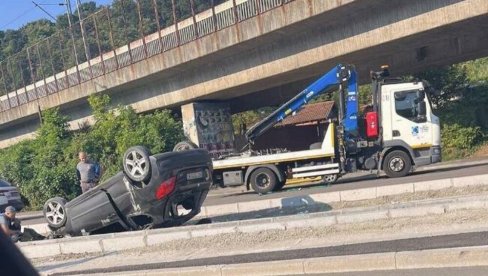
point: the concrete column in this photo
(209, 125)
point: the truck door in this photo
(409, 119)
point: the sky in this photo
(16, 13)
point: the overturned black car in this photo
(161, 190)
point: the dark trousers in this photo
(86, 186)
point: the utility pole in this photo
(87, 50)
(68, 9)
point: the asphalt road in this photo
(413, 244)
(357, 181)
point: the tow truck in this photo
(398, 133)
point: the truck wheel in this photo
(55, 212)
(137, 165)
(329, 179)
(397, 164)
(263, 180)
(184, 145)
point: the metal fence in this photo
(106, 41)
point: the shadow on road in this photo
(292, 206)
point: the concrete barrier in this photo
(348, 195)
(140, 239)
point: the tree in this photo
(450, 81)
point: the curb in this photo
(434, 258)
(140, 239)
(328, 197)
(450, 164)
(342, 196)
(28, 217)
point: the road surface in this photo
(357, 181)
(412, 244)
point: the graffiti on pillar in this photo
(214, 127)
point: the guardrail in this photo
(94, 47)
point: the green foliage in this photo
(461, 105)
(244, 120)
(45, 166)
(460, 141)
(461, 137)
(365, 95)
(477, 71)
(450, 81)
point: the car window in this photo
(4, 184)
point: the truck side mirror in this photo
(422, 108)
(421, 95)
(422, 112)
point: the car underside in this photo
(162, 190)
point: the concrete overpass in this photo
(267, 56)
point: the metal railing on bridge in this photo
(105, 41)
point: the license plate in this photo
(3, 200)
(194, 175)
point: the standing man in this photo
(86, 172)
(9, 224)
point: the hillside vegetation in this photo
(45, 166)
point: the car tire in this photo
(397, 164)
(184, 145)
(54, 211)
(137, 165)
(329, 179)
(263, 180)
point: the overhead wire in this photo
(36, 5)
(18, 17)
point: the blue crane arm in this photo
(327, 83)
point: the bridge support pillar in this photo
(209, 125)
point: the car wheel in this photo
(137, 165)
(263, 180)
(329, 179)
(185, 145)
(55, 212)
(397, 164)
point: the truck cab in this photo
(409, 123)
